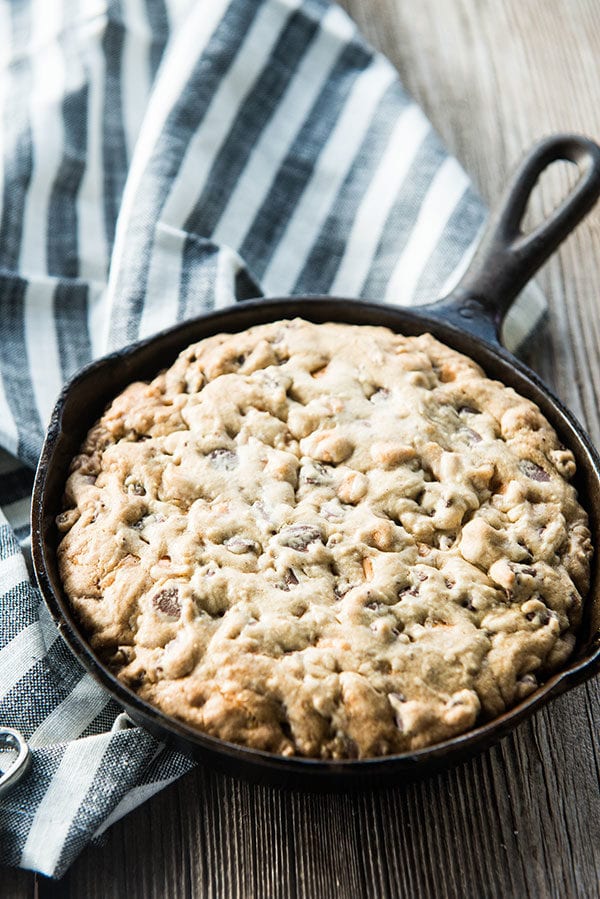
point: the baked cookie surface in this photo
(325, 540)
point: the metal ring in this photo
(12, 739)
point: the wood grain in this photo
(522, 820)
(16, 884)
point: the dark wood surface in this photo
(522, 820)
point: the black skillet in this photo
(469, 320)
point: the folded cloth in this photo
(159, 159)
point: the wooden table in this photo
(523, 819)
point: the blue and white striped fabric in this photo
(159, 158)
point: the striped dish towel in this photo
(159, 158)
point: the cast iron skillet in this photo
(469, 319)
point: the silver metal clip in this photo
(11, 743)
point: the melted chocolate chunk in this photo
(289, 580)
(240, 545)
(533, 471)
(167, 602)
(300, 536)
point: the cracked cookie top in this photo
(325, 540)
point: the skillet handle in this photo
(507, 258)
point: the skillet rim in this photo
(435, 318)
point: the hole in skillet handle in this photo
(507, 257)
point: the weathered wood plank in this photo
(16, 884)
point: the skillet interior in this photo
(84, 399)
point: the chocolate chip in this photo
(541, 617)
(316, 474)
(533, 471)
(140, 524)
(224, 459)
(408, 591)
(167, 602)
(471, 435)
(300, 536)
(396, 700)
(289, 580)
(380, 395)
(239, 545)
(261, 509)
